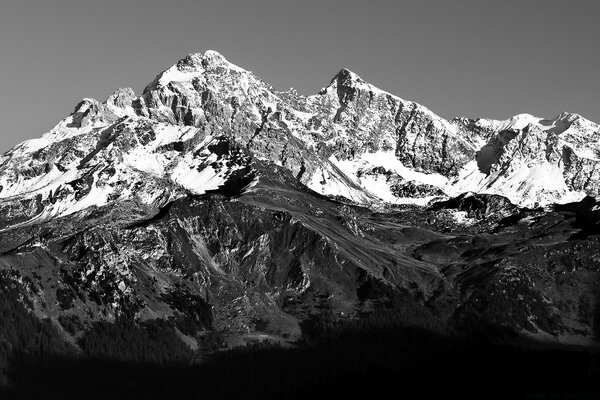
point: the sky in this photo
(472, 58)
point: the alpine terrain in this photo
(214, 212)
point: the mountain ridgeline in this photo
(214, 212)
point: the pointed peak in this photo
(346, 76)
(213, 59)
(193, 65)
(191, 62)
(345, 79)
(577, 119)
(212, 56)
(198, 62)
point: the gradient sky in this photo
(459, 58)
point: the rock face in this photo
(217, 203)
(478, 205)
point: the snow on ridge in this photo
(327, 181)
(193, 66)
(388, 160)
(174, 74)
(213, 57)
(520, 121)
(525, 185)
(377, 185)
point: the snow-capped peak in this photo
(348, 79)
(520, 121)
(191, 66)
(348, 76)
(352, 139)
(213, 59)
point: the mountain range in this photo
(215, 203)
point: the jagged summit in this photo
(345, 78)
(346, 75)
(352, 139)
(570, 117)
(191, 66)
(121, 97)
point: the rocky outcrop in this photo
(479, 206)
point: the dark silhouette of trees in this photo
(153, 341)
(21, 332)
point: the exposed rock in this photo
(479, 205)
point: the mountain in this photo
(217, 205)
(351, 140)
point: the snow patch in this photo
(377, 184)
(522, 184)
(462, 217)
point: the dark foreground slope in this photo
(377, 357)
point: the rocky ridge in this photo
(351, 139)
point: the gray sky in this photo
(471, 58)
